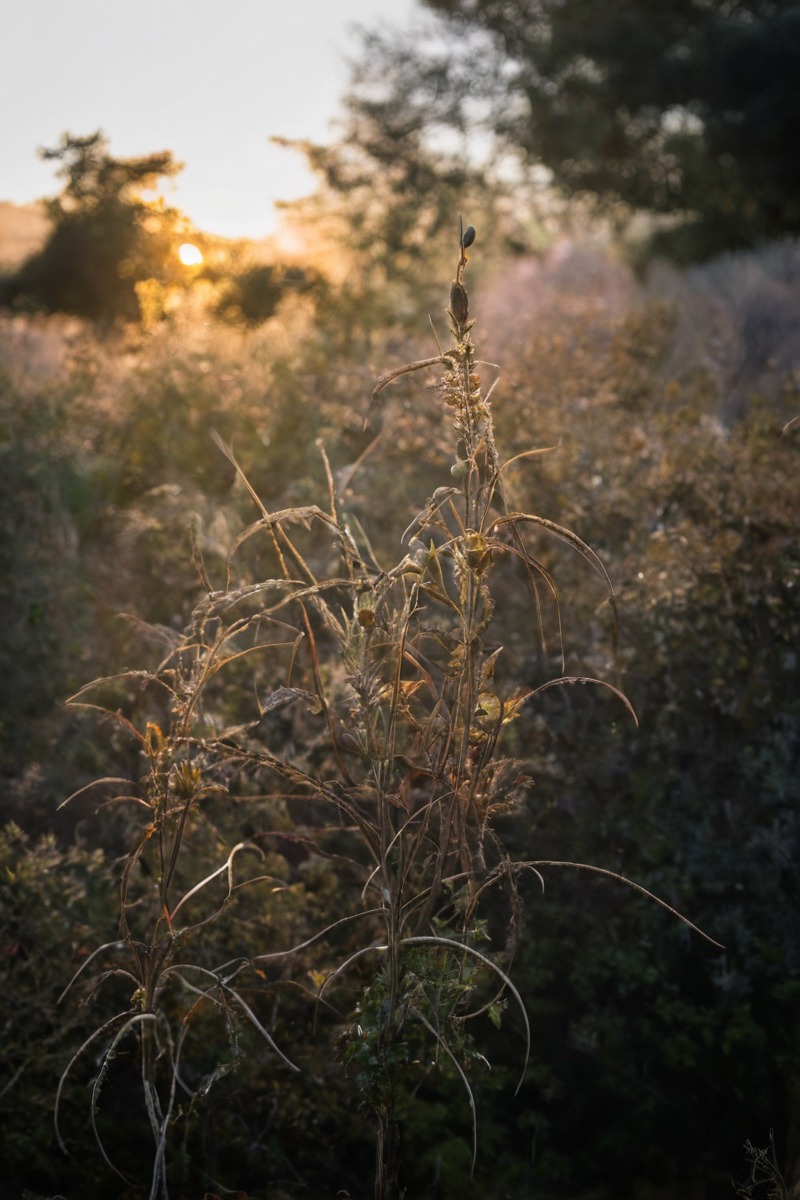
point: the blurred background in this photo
(234, 218)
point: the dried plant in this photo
(396, 699)
(765, 1179)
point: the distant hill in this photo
(23, 230)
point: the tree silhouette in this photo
(107, 233)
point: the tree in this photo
(685, 109)
(107, 233)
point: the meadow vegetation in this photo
(310, 726)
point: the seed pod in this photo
(469, 237)
(459, 303)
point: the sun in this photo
(190, 255)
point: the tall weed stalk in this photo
(369, 714)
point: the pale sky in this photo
(211, 80)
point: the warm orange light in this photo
(190, 255)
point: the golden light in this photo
(190, 255)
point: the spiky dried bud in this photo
(478, 552)
(365, 608)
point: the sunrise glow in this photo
(190, 255)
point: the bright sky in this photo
(211, 80)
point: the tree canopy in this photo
(687, 109)
(110, 231)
